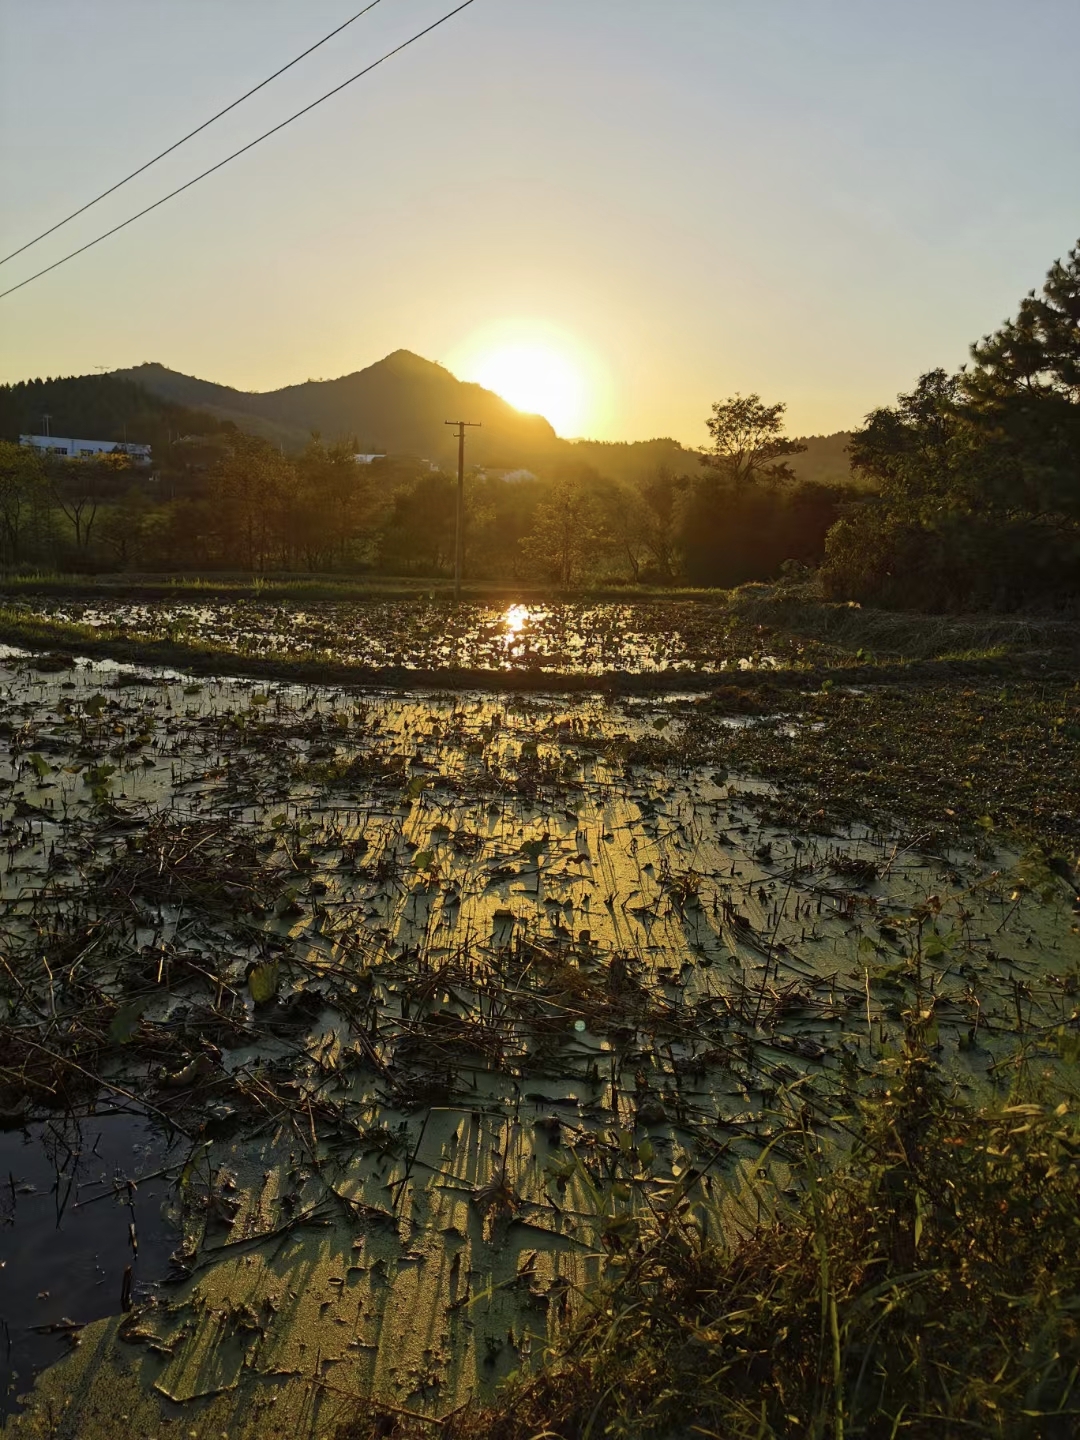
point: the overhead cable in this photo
(243, 149)
(191, 133)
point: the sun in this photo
(536, 369)
(536, 378)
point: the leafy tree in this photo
(124, 526)
(979, 473)
(499, 515)
(418, 535)
(1024, 389)
(921, 449)
(23, 489)
(1038, 353)
(748, 443)
(250, 484)
(628, 522)
(952, 560)
(728, 517)
(329, 503)
(643, 520)
(79, 488)
(662, 494)
(567, 531)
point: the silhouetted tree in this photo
(567, 530)
(661, 496)
(748, 443)
(727, 527)
(326, 507)
(1038, 353)
(979, 473)
(123, 527)
(418, 535)
(80, 487)
(23, 495)
(250, 484)
(1024, 390)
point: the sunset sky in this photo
(624, 209)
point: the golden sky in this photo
(620, 210)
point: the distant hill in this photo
(398, 404)
(632, 459)
(99, 407)
(825, 459)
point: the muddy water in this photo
(444, 990)
(84, 1233)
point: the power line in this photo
(184, 139)
(243, 149)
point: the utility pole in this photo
(459, 523)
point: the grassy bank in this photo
(903, 634)
(285, 586)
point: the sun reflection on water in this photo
(516, 618)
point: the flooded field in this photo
(570, 638)
(364, 1027)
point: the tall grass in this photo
(902, 635)
(927, 1284)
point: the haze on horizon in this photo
(613, 213)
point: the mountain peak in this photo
(408, 359)
(398, 404)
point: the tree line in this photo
(231, 501)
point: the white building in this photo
(510, 476)
(385, 455)
(82, 449)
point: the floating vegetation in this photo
(428, 1004)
